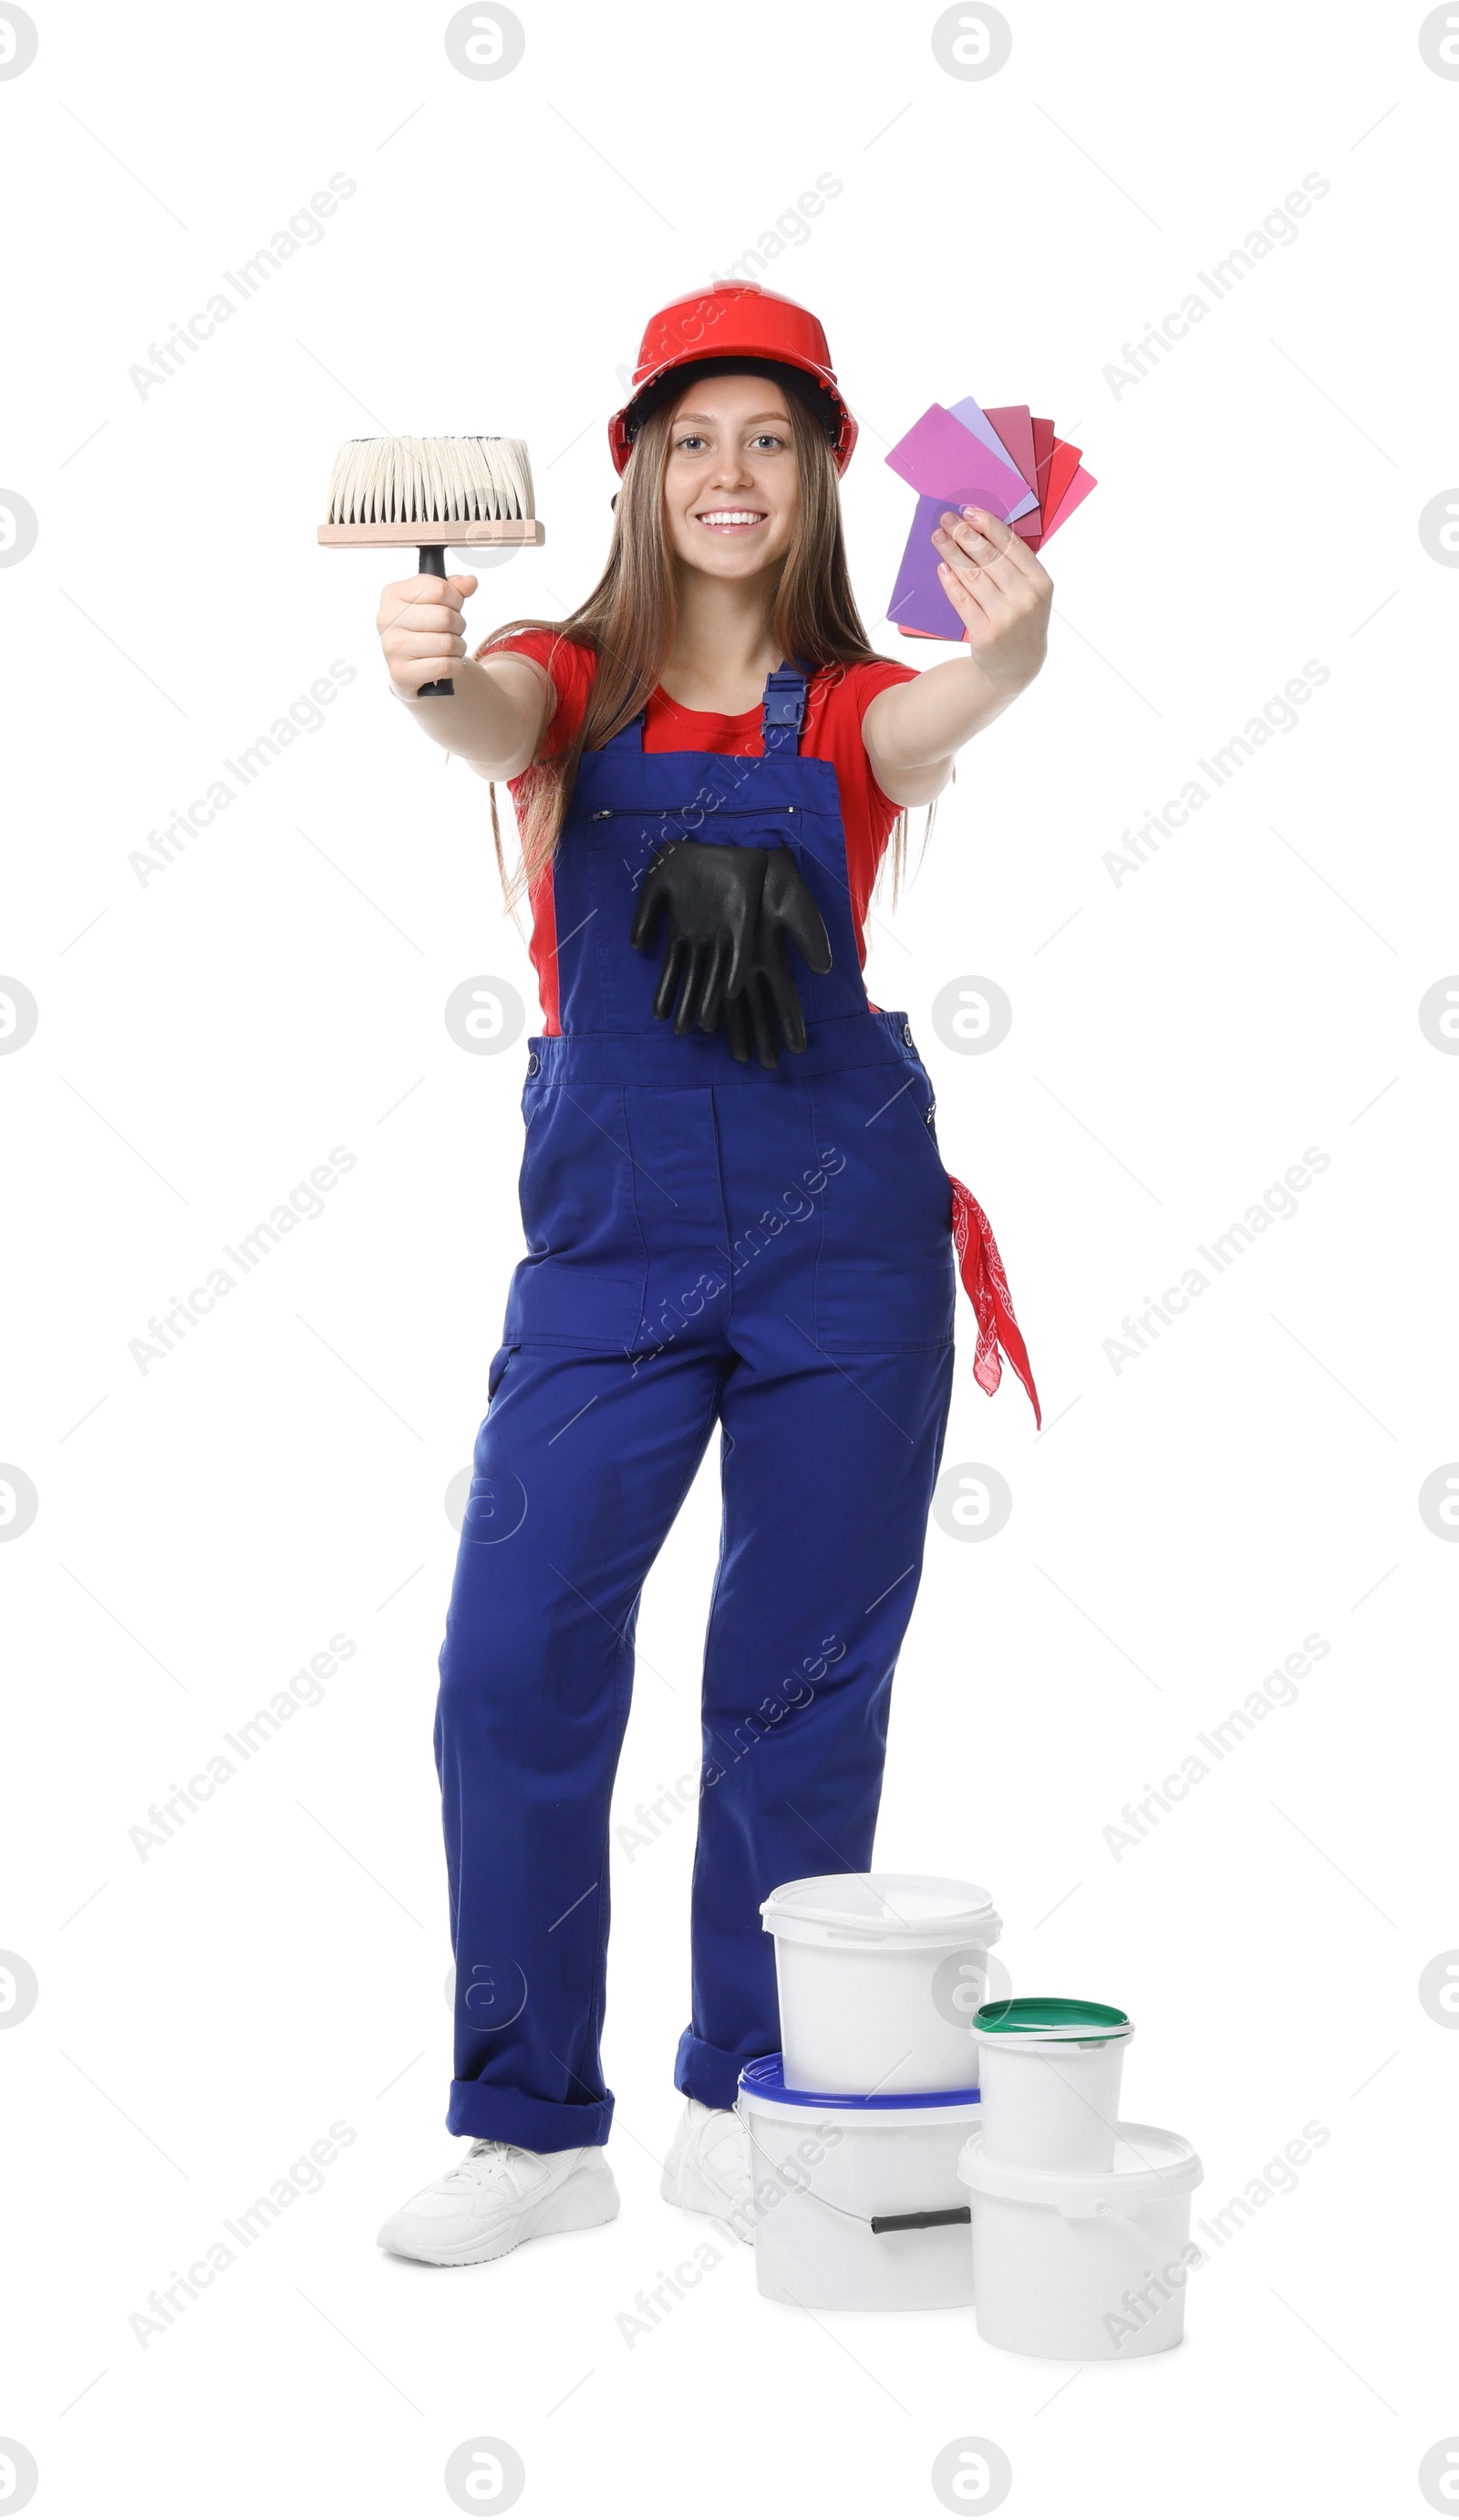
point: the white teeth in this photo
(733, 516)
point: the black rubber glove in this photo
(769, 995)
(708, 897)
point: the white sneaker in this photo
(499, 2196)
(708, 2169)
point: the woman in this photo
(735, 1213)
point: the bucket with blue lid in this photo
(856, 2199)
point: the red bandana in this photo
(986, 1282)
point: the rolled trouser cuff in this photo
(708, 2074)
(538, 2125)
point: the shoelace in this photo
(483, 2145)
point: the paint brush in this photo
(467, 492)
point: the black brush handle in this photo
(433, 564)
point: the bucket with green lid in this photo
(1049, 2068)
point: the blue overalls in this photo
(707, 1242)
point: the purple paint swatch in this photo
(917, 599)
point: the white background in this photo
(1180, 1039)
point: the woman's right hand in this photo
(422, 629)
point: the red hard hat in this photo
(736, 324)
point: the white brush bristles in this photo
(430, 481)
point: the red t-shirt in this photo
(836, 701)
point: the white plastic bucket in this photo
(826, 2170)
(1085, 2267)
(1051, 2102)
(879, 1977)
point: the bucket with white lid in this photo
(880, 1975)
(1084, 2266)
(1049, 2071)
(857, 2204)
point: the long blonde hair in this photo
(630, 618)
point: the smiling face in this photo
(731, 487)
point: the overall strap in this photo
(783, 708)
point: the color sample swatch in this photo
(983, 424)
(962, 456)
(943, 459)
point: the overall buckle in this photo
(783, 708)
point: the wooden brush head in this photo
(432, 491)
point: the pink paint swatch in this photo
(1014, 422)
(1077, 492)
(942, 460)
(1004, 459)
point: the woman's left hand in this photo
(913, 730)
(999, 593)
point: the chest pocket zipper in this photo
(679, 813)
